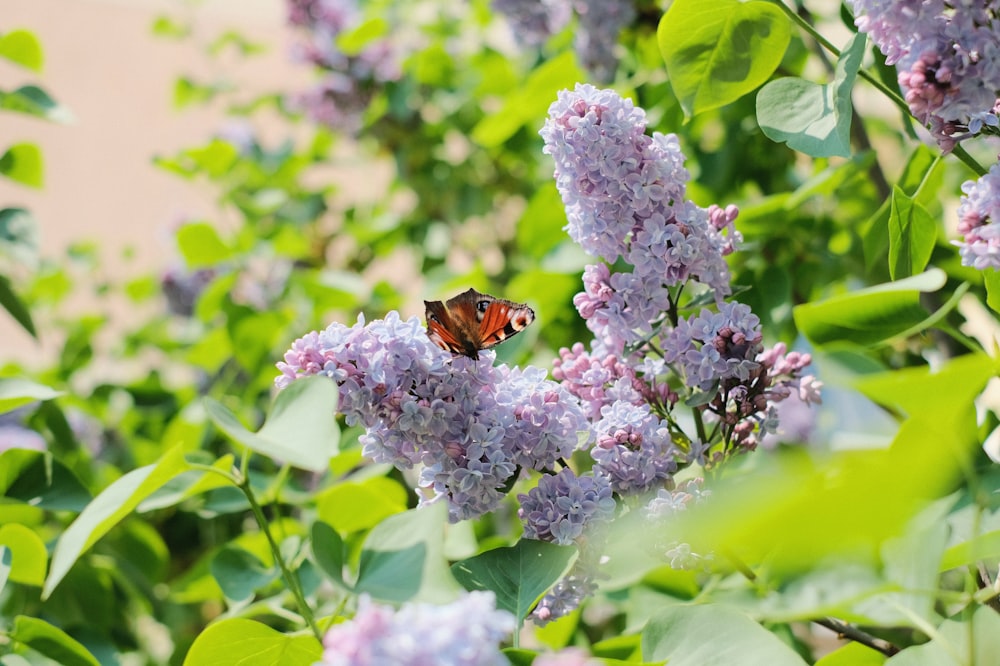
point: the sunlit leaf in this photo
(23, 48)
(23, 163)
(18, 391)
(301, 428)
(249, 643)
(716, 52)
(28, 554)
(51, 641)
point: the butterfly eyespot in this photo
(482, 305)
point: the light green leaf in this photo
(530, 101)
(351, 507)
(51, 641)
(869, 316)
(540, 228)
(713, 635)
(201, 245)
(991, 279)
(113, 504)
(301, 428)
(18, 391)
(716, 52)
(811, 118)
(23, 163)
(187, 485)
(28, 554)
(6, 566)
(912, 234)
(353, 42)
(23, 48)
(34, 101)
(951, 645)
(239, 642)
(518, 575)
(852, 654)
(403, 558)
(983, 547)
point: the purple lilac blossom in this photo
(562, 506)
(466, 632)
(977, 212)
(947, 54)
(624, 196)
(469, 424)
(634, 448)
(534, 21)
(564, 597)
(600, 23)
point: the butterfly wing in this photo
(501, 320)
(440, 327)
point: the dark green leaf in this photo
(34, 101)
(716, 52)
(37, 479)
(329, 553)
(518, 575)
(240, 574)
(15, 307)
(912, 235)
(19, 236)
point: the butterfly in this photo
(472, 321)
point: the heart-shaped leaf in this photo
(811, 118)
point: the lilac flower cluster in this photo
(467, 632)
(561, 506)
(599, 24)
(977, 212)
(624, 196)
(348, 81)
(469, 424)
(948, 57)
(634, 448)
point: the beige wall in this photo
(104, 64)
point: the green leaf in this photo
(912, 235)
(301, 428)
(811, 118)
(951, 643)
(201, 245)
(518, 575)
(530, 101)
(713, 635)
(23, 48)
(187, 485)
(353, 42)
(34, 101)
(983, 547)
(869, 316)
(23, 163)
(51, 641)
(6, 566)
(19, 237)
(351, 507)
(15, 307)
(113, 504)
(37, 479)
(240, 574)
(540, 228)
(28, 554)
(852, 654)
(716, 52)
(239, 642)
(403, 558)
(165, 26)
(329, 553)
(18, 391)
(991, 278)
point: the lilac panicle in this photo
(469, 424)
(466, 632)
(634, 448)
(978, 211)
(948, 58)
(563, 505)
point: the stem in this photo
(290, 578)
